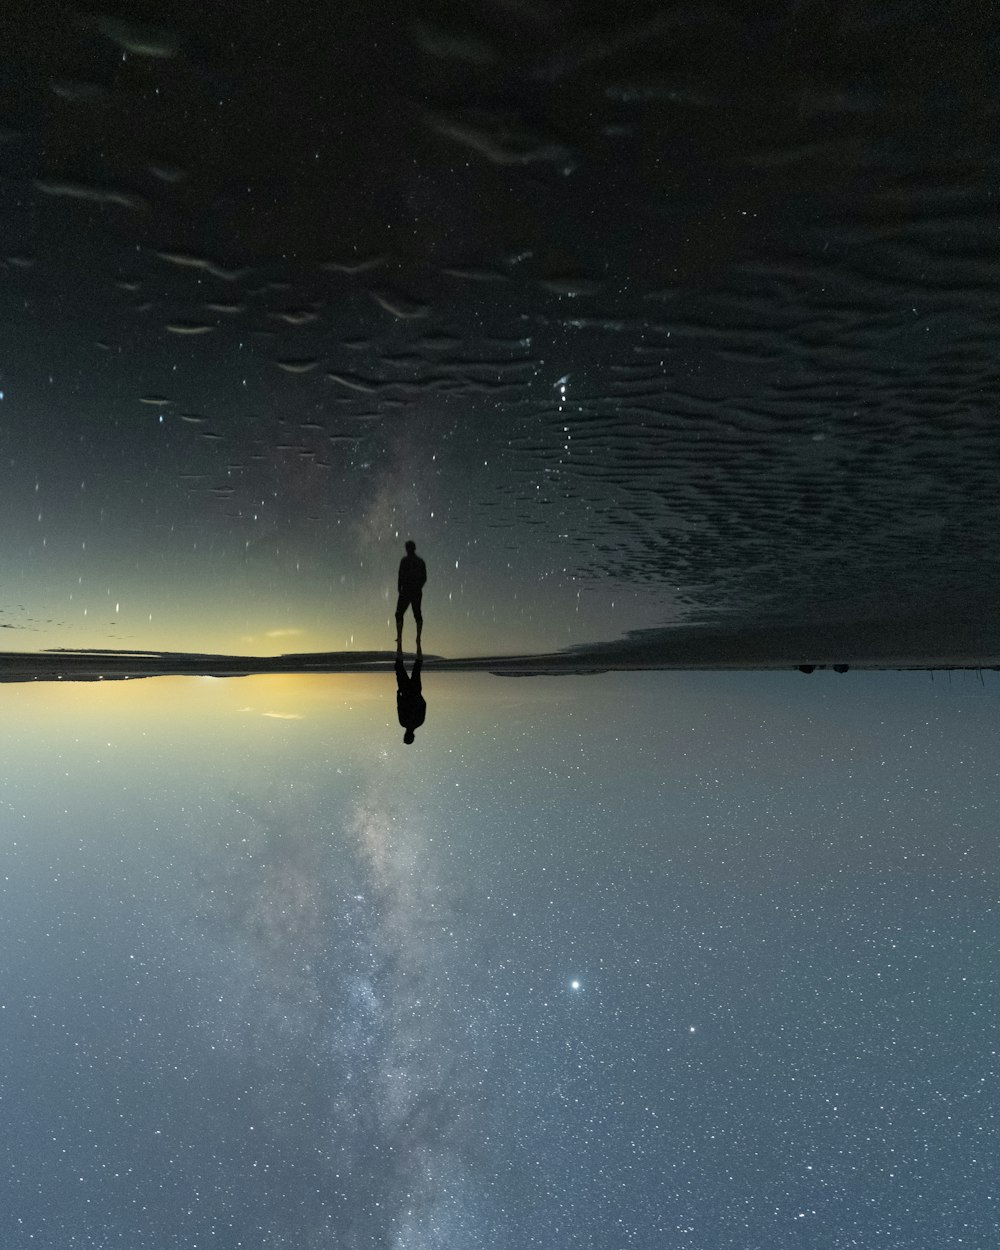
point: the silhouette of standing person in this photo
(410, 583)
(411, 707)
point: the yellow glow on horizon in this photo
(201, 701)
(259, 630)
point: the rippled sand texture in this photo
(697, 302)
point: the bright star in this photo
(574, 985)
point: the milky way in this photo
(341, 990)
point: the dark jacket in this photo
(412, 574)
(411, 707)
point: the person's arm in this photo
(399, 578)
(423, 573)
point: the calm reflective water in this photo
(683, 314)
(696, 960)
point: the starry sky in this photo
(639, 319)
(623, 961)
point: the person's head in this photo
(411, 546)
(408, 737)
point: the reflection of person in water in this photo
(410, 583)
(410, 705)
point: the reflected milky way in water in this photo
(684, 316)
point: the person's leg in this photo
(400, 612)
(417, 614)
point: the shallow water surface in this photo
(631, 315)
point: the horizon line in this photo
(737, 652)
